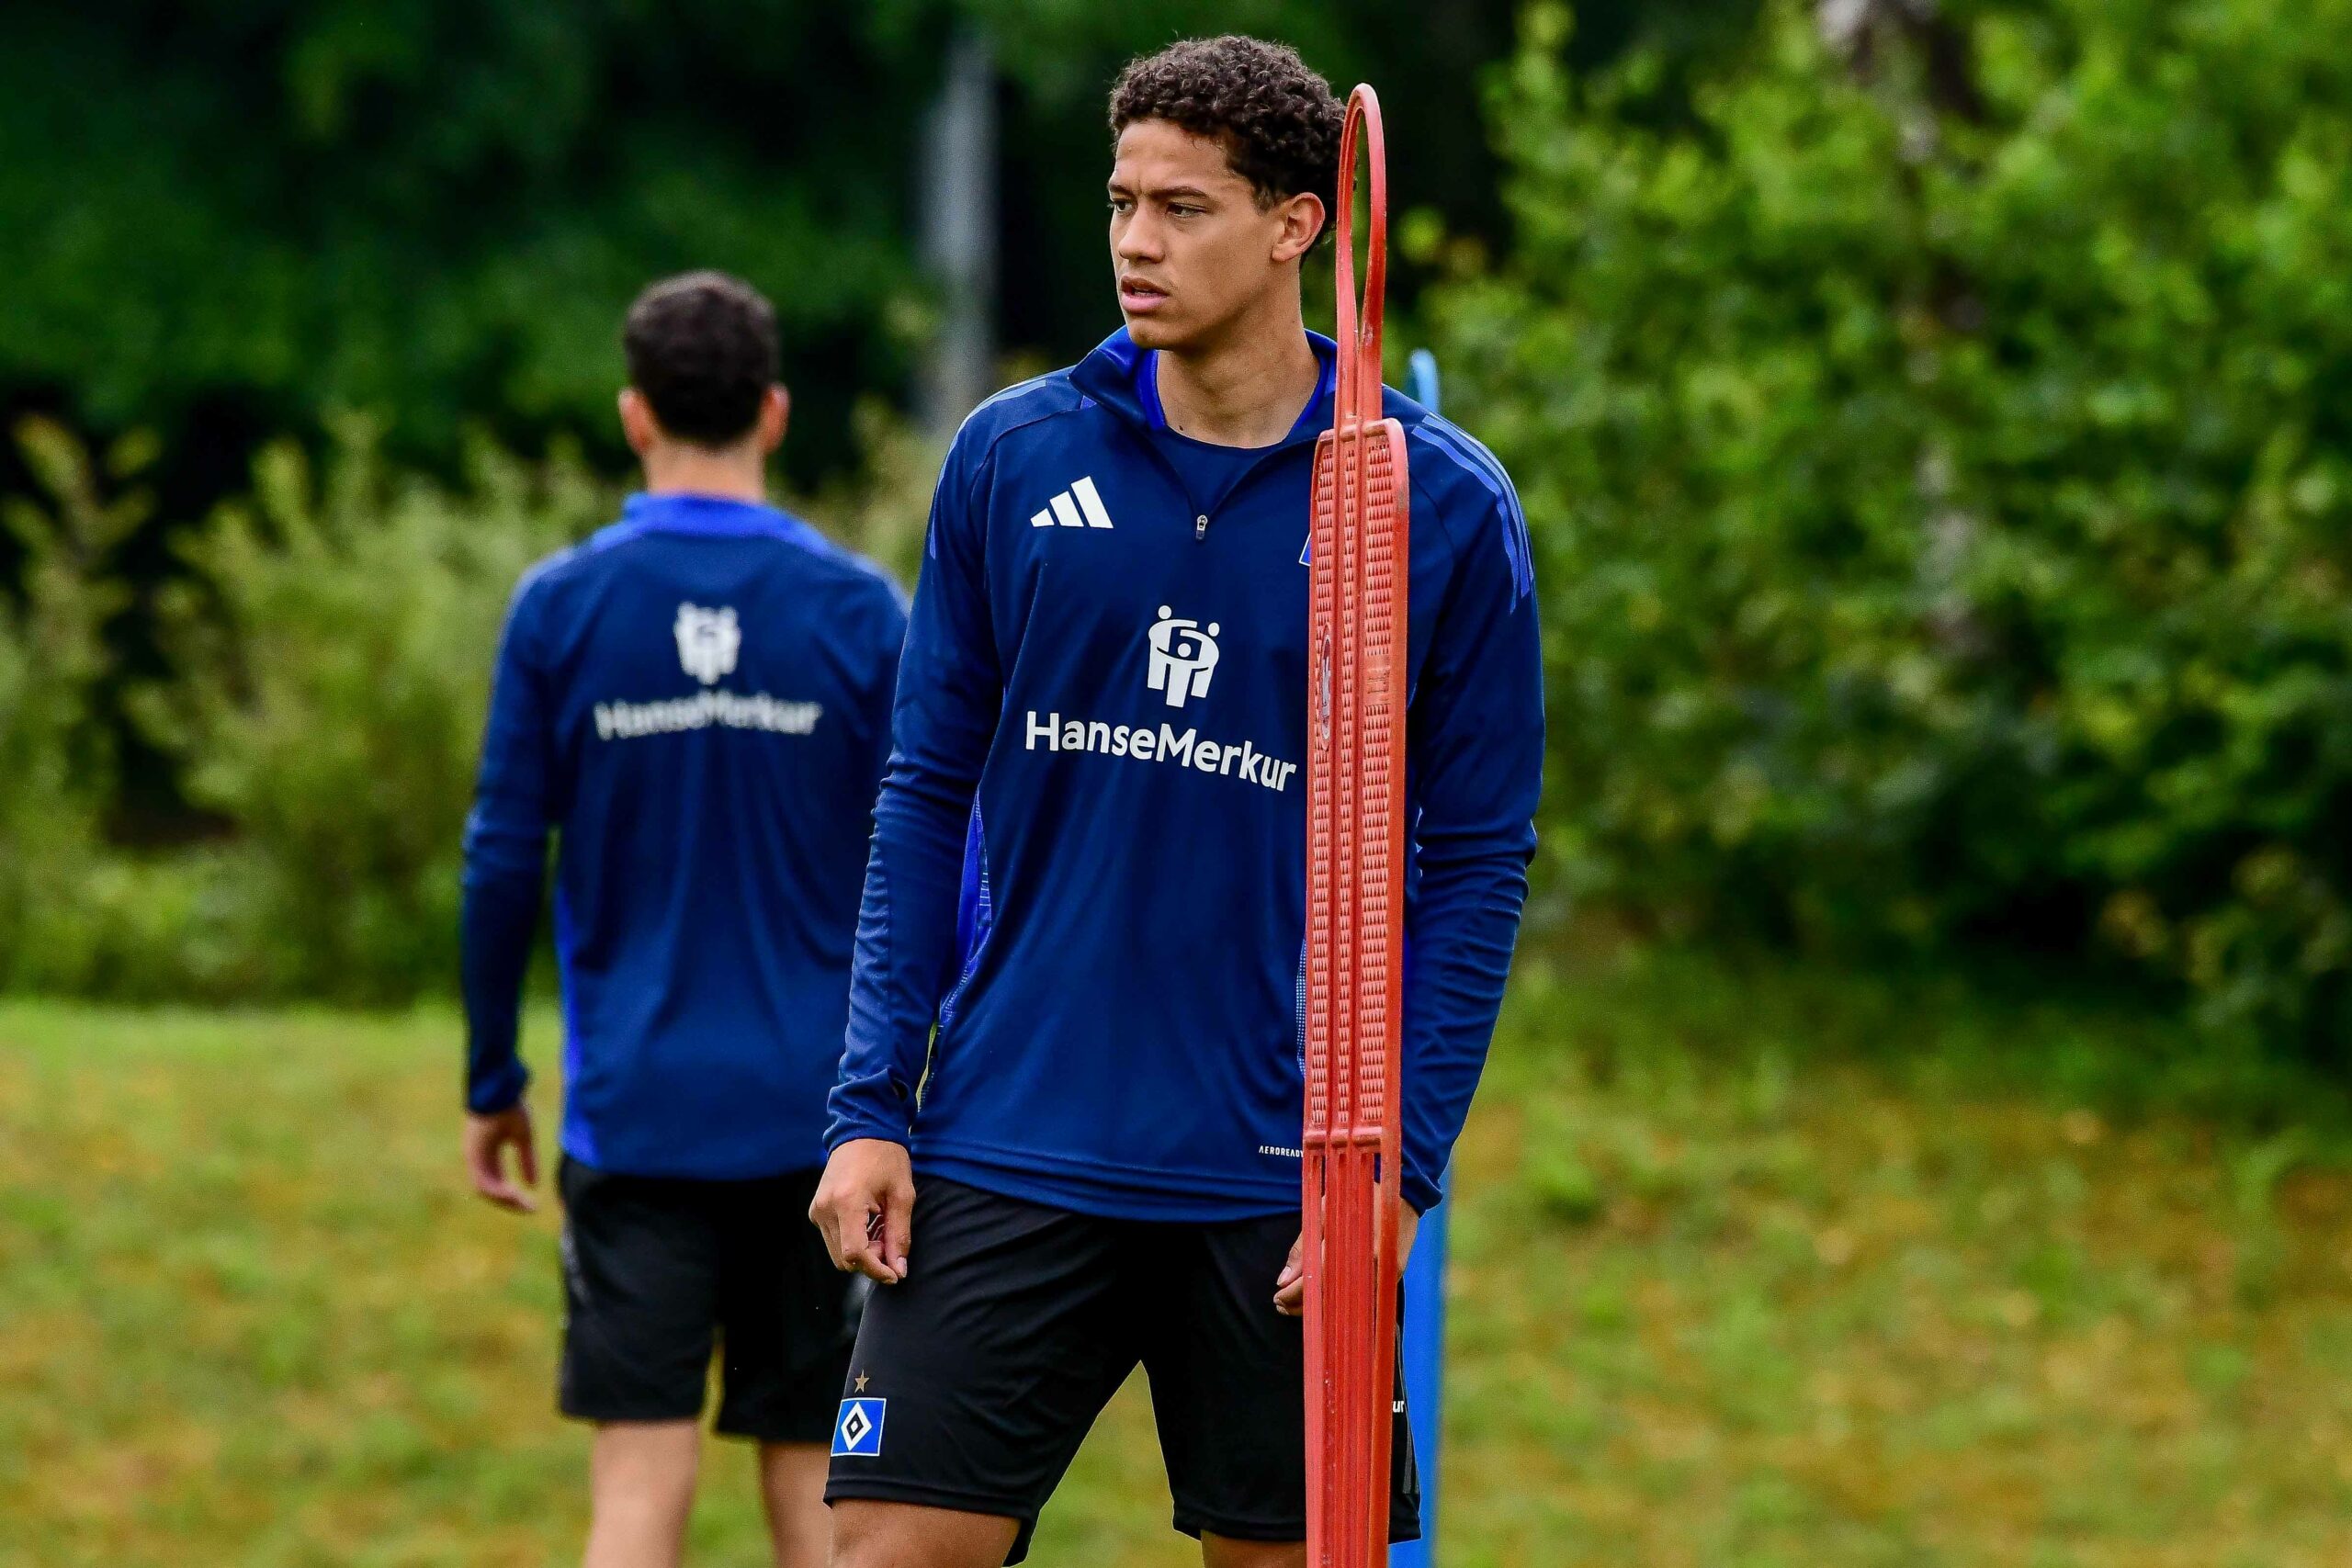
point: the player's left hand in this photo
(1289, 1285)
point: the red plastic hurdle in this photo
(1356, 879)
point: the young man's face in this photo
(1192, 249)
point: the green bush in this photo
(57, 769)
(330, 652)
(1939, 443)
(883, 508)
(331, 669)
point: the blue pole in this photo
(1425, 1272)
(1425, 1371)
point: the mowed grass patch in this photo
(1778, 1273)
(250, 1314)
(1741, 1281)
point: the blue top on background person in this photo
(696, 701)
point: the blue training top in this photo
(696, 700)
(1089, 858)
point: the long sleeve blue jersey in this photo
(697, 702)
(1088, 858)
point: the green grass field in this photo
(1749, 1272)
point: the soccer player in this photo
(696, 700)
(1088, 872)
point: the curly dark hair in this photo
(702, 350)
(1277, 118)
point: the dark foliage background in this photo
(1940, 447)
(1933, 420)
(224, 222)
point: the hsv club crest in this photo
(708, 641)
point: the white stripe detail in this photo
(1066, 511)
(1090, 502)
(1042, 518)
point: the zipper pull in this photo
(1201, 527)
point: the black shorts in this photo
(657, 1271)
(975, 1380)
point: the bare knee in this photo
(861, 1534)
(870, 1534)
(641, 1484)
(792, 1483)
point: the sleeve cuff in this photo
(851, 1122)
(1421, 1192)
(501, 1090)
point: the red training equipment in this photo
(1355, 893)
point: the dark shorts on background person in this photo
(661, 1271)
(975, 1380)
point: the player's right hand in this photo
(864, 1208)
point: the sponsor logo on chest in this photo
(1181, 661)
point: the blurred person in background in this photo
(697, 702)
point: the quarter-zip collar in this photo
(1125, 379)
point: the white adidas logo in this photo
(1085, 512)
